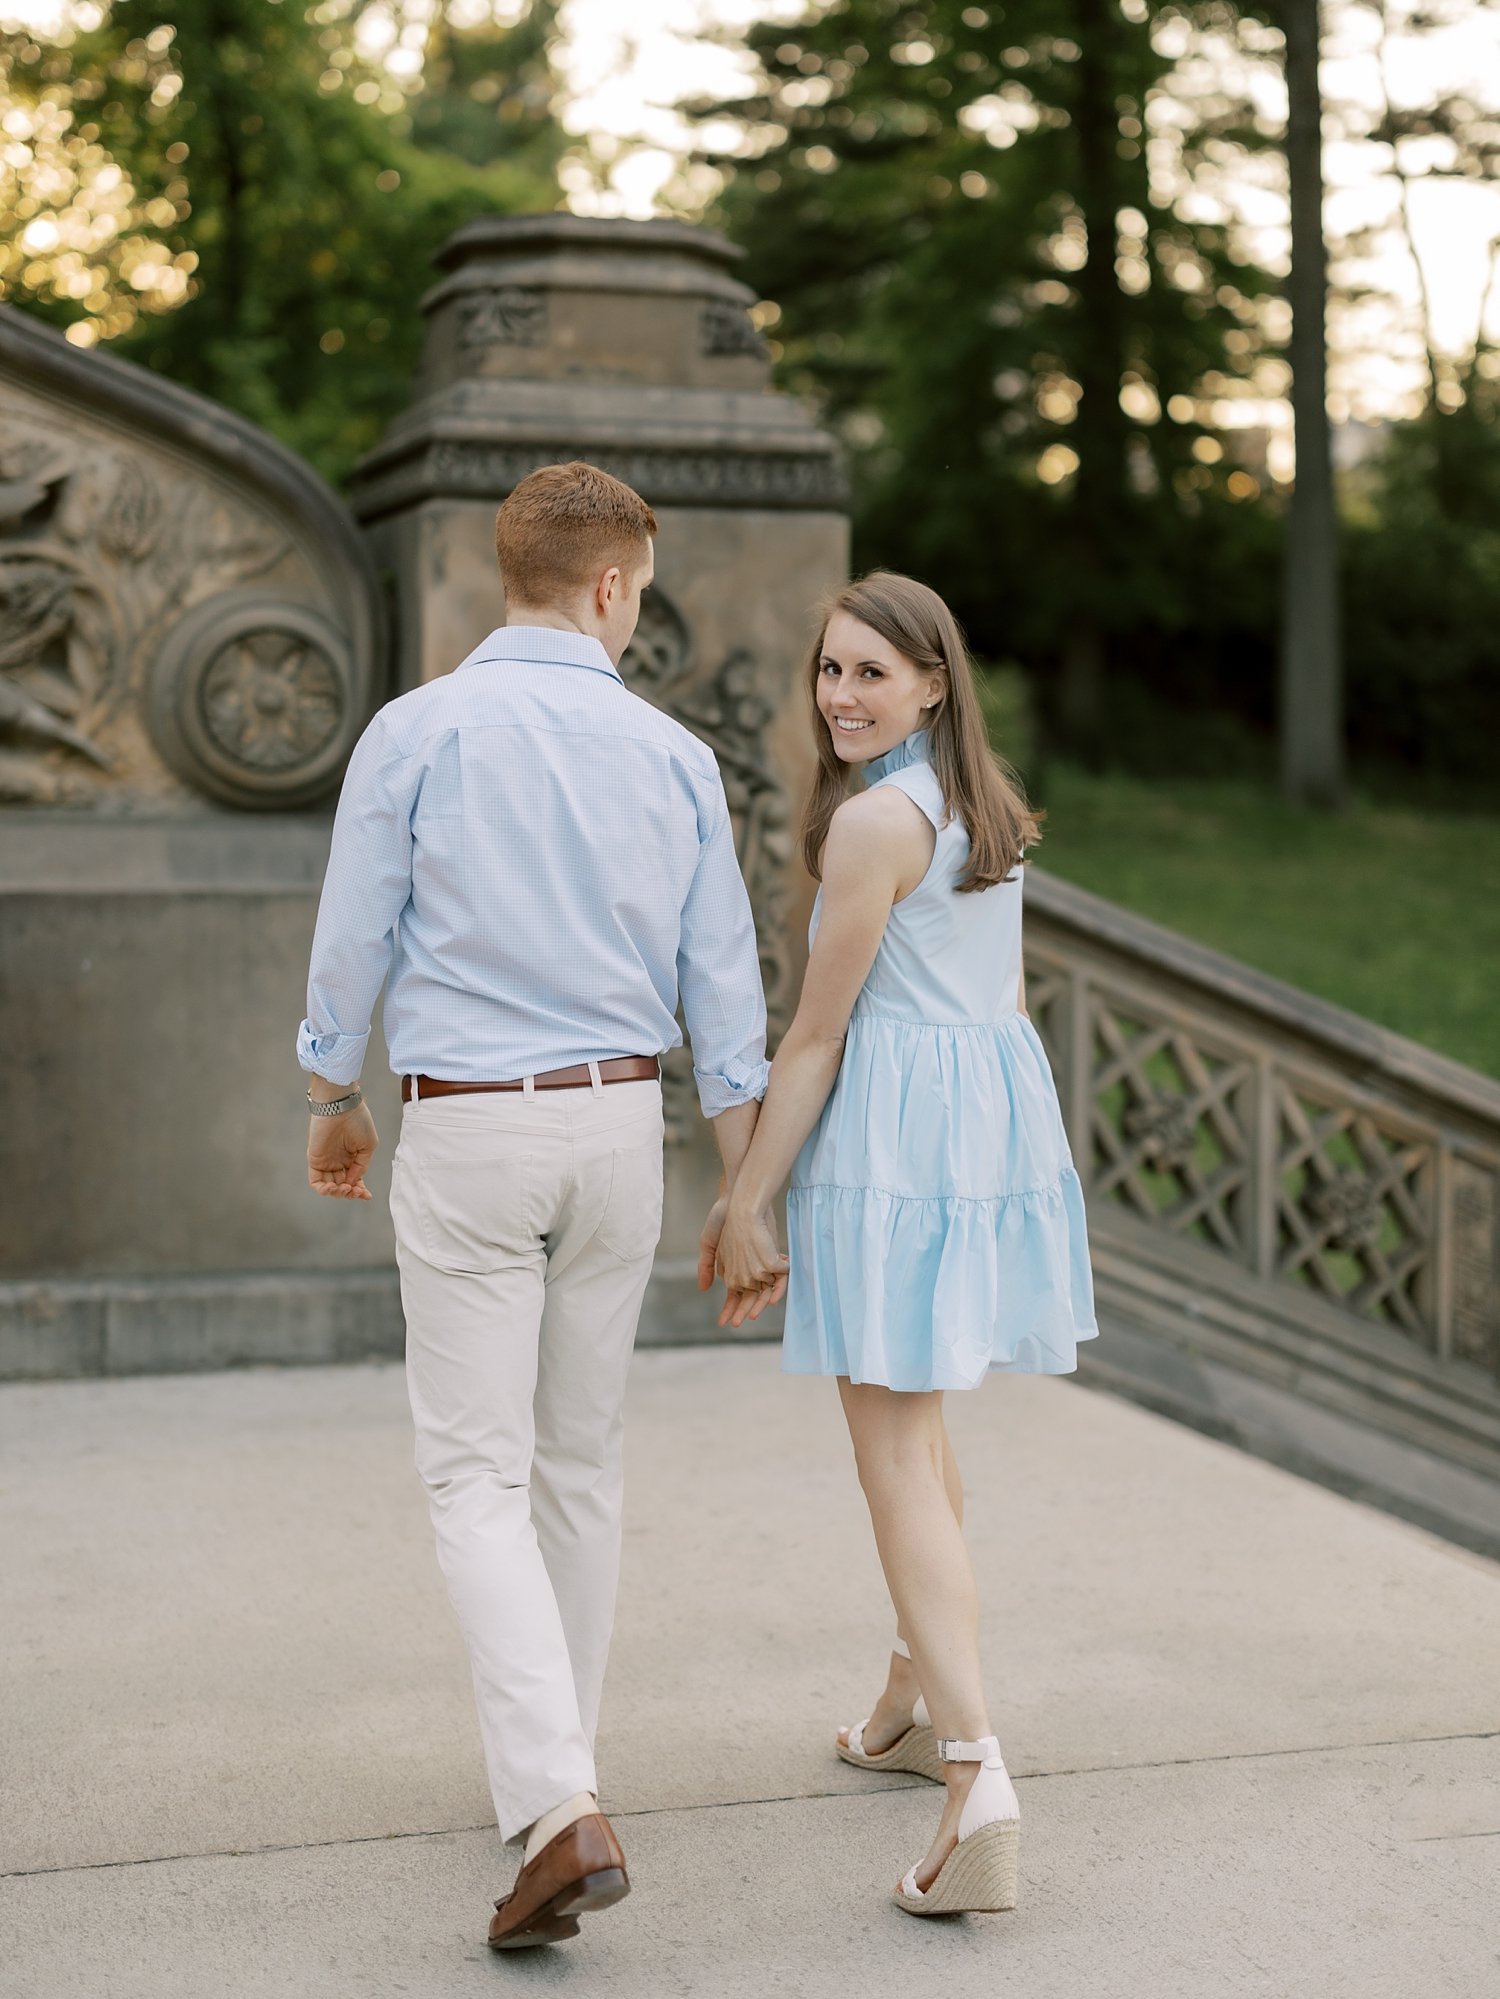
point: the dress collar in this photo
(544, 646)
(916, 749)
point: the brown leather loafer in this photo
(582, 1869)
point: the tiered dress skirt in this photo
(935, 1222)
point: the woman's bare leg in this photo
(903, 1458)
(891, 1715)
(953, 1485)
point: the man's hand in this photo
(339, 1150)
(754, 1270)
(708, 1242)
(750, 1304)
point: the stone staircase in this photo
(1294, 1214)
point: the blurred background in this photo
(1030, 263)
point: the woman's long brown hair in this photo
(979, 789)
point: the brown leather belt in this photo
(618, 1069)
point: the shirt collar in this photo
(916, 749)
(543, 646)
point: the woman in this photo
(935, 1222)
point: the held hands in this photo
(339, 1150)
(741, 1248)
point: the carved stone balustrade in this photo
(186, 611)
(1294, 1214)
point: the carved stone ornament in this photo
(506, 316)
(1162, 1126)
(661, 653)
(251, 693)
(726, 329)
(97, 558)
(1349, 1210)
(134, 654)
(57, 640)
(729, 711)
(1476, 1259)
(456, 468)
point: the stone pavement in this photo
(1256, 1726)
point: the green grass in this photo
(1391, 912)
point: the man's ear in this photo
(609, 587)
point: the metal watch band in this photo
(337, 1106)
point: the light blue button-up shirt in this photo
(536, 864)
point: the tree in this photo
(488, 92)
(1312, 732)
(1453, 135)
(280, 196)
(1421, 560)
(975, 226)
(1420, 112)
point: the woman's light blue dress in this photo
(935, 1222)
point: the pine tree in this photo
(971, 218)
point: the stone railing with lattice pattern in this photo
(1274, 1183)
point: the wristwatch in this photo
(336, 1106)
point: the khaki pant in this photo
(525, 1226)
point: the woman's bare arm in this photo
(879, 847)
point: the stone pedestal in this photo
(632, 345)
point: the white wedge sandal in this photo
(915, 1751)
(980, 1872)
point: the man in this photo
(537, 864)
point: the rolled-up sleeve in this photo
(718, 969)
(365, 890)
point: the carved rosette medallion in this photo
(249, 700)
(271, 700)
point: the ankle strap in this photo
(986, 1750)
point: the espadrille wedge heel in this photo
(980, 1872)
(915, 1751)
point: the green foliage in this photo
(1392, 913)
(1008, 716)
(1422, 571)
(312, 215)
(488, 93)
(997, 307)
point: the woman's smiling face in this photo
(870, 696)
